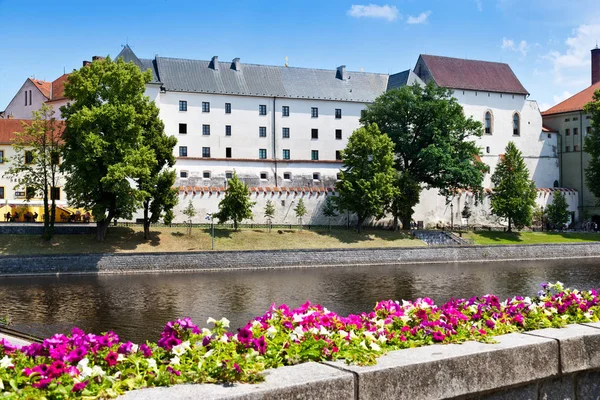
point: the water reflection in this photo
(137, 306)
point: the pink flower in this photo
(78, 387)
(111, 358)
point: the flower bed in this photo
(81, 365)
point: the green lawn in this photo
(531, 237)
(125, 239)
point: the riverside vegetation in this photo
(83, 365)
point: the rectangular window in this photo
(263, 176)
(314, 133)
(285, 111)
(338, 113)
(182, 128)
(55, 193)
(286, 154)
(262, 109)
(287, 176)
(314, 112)
(206, 152)
(55, 158)
(314, 155)
(567, 132)
(2, 192)
(205, 106)
(227, 130)
(262, 131)
(228, 175)
(316, 176)
(567, 119)
(576, 148)
(1, 156)
(183, 174)
(205, 130)
(28, 157)
(29, 192)
(338, 155)
(227, 108)
(182, 151)
(487, 149)
(30, 97)
(227, 152)
(338, 134)
(363, 113)
(26, 97)
(285, 132)
(262, 154)
(575, 118)
(182, 105)
(206, 174)
(588, 130)
(567, 149)
(575, 131)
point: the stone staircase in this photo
(438, 238)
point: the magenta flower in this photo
(146, 351)
(260, 345)
(111, 358)
(78, 387)
(173, 371)
(438, 336)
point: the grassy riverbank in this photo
(126, 239)
(487, 238)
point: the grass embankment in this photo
(123, 240)
(486, 238)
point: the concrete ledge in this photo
(446, 371)
(299, 382)
(579, 346)
(276, 259)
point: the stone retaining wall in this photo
(38, 229)
(538, 365)
(222, 260)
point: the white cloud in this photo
(386, 12)
(509, 44)
(576, 57)
(560, 97)
(420, 19)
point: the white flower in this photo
(370, 336)
(6, 362)
(297, 318)
(206, 332)
(152, 363)
(225, 322)
(253, 353)
(181, 348)
(256, 324)
(324, 332)
(298, 331)
(134, 348)
(527, 300)
(97, 371)
(211, 320)
(380, 322)
(353, 335)
(363, 344)
(174, 361)
(117, 375)
(224, 339)
(325, 310)
(405, 318)
(272, 331)
(382, 339)
(121, 357)
(84, 369)
(314, 331)
(343, 334)
(208, 353)
(375, 346)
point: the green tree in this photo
(366, 184)
(300, 210)
(514, 194)
(538, 216)
(105, 151)
(592, 147)
(466, 213)
(269, 213)
(558, 210)
(329, 209)
(430, 134)
(35, 165)
(189, 212)
(236, 204)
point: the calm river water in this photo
(137, 306)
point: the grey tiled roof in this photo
(264, 80)
(144, 63)
(404, 78)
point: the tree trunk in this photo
(235, 225)
(101, 227)
(406, 222)
(146, 221)
(52, 217)
(47, 235)
(509, 225)
(359, 223)
(395, 225)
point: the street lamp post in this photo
(542, 218)
(452, 216)
(211, 216)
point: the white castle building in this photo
(282, 128)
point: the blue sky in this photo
(546, 43)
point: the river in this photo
(138, 306)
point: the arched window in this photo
(516, 125)
(488, 122)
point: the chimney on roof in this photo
(214, 63)
(97, 58)
(236, 65)
(595, 65)
(86, 63)
(341, 73)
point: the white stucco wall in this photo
(17, 109)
